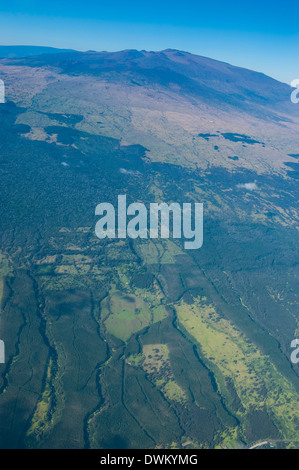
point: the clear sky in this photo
(261, 35)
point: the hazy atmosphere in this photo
(260, 35)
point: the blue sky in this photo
(261, 35)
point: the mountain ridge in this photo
(28, 50)
(14, 52)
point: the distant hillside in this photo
(25, 51)
(213, 82)
(182, 107)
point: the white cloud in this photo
(248, 186)
(129, 172)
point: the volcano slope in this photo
(139, 343)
